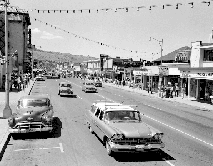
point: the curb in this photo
(7, 135)
(4, 143)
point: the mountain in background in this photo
(59, 57)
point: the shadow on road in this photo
(67, 96)
(142, 157)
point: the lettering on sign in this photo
(205, 74)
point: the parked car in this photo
(40, 78)
(34, 113)
(121, 128)
(89, 87)
(65, 88)
(98, 83)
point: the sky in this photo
(124, 34)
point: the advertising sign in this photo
(163, 70)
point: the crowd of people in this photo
(17, 81)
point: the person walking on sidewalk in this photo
(183, 91)
(176, 89)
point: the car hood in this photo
(133, 130)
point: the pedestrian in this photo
(19, 83)
(183, 91)
(176, 90)
(123, 82)
(171, 91)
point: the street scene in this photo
(83, 86)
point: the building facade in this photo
(18, 22)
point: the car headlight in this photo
(117, 136)
(11, 121)
(158, 136)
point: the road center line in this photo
(61, 148)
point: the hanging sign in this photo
(163, 70)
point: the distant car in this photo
(65, 88)
(98, 83)
(89, 87)
(40, 78)
(33, 114)
(121, 128)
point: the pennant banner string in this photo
(87, 39)
(150, 7)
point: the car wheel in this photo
(15, 136)
(58, 93)
(108, 148)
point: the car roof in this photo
(39, 96)
(65, 83)
(110, 106)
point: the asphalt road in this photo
(188, 137)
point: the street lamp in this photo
(7, 112)
(161, 52)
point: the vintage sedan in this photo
(65, 89)
(89, 87)
(98, 83)
(121, 128)
(34, 113)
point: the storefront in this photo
(199, 82)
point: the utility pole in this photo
(161, 55)
(32, 47)
(7, 112)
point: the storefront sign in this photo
(201, 75)
(137, 72)
(164, 70)
(205, 74)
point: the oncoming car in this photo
(34, 113)
(98, 83)
(65, 88)
(121, 128)
(89, 87)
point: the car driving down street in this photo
(121, 128)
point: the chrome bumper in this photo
(29, 127)
(126, 148)
(11, 130)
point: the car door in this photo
(101, 125)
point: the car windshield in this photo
(123, 115)
(66, 85)
(34, 103)
(89, 83)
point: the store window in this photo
(208, 55)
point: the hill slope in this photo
(59, 57)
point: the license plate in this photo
(140, 146)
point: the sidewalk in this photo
(13, 99)
(203, 109)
